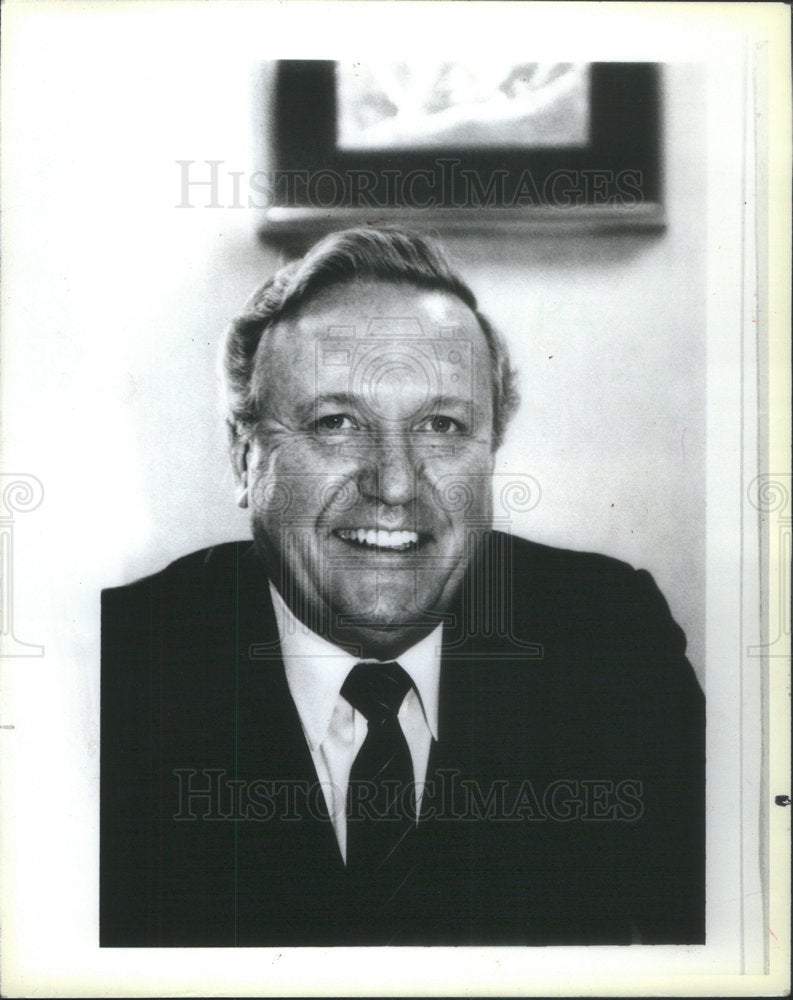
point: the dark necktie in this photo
(381, 808)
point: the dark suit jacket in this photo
(565, 802)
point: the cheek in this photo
(462, 482)
(296, 481)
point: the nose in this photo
(395, 471)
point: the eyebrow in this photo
(307, 411)
(449, 402)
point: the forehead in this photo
(377, 311)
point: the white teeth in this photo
(377, 538)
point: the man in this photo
(383, 722)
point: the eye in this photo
(334, 422)
(441, 425)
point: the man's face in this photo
(369, 472)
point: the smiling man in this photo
(383, 722)
(375, 398)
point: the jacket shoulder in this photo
(197, 593)
(603, 598)
(203, 564)
(529, 555)
(591, 575)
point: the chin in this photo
(381, 607)
(385, 630)
(378, 620)
(384, 642)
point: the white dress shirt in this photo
(334, 730)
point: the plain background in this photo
(113, 304)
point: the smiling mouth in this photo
(377, 538)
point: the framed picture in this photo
(466, 145)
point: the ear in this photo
(239, 447)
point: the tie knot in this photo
(376, 690)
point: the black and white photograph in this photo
(396, 498)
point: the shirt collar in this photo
(422, 663)
(316, 669)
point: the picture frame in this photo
(612, 181)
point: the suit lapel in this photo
(271, 746)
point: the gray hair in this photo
(388, 254)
